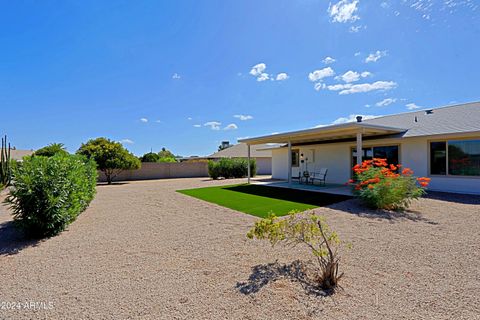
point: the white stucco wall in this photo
(279, 163)
(413, 153)
(264, 166)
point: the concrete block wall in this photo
(152, 170)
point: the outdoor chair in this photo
(319, 175)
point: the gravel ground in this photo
(143, 251)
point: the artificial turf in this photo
(260, 200)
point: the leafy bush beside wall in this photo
(231, 168)
(48, 193)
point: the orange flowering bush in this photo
(386, 186)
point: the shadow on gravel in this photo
(264, 274)
(13, 240)
(355, 207)
(454, 197)
(104, 184)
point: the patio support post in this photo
(359, 148)
(289, 165)
(248, 165)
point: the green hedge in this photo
(48, 193)
(231, 168)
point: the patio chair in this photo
(319, 175)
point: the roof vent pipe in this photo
(359, 118)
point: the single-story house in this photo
(261, 153)
(18, 155)
(441, 143)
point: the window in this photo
(438, 158)
(383, 152)
(457, 157)
(295, 158)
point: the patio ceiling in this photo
(333, 132)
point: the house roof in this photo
(240, 150)
(463, 118)
(18, 155)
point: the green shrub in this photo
(310, 230)
(167, 159)
(231, 168)
(213, 170)
(386, 186)
(48, 193)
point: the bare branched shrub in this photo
(310, 230)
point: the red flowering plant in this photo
(387, 186)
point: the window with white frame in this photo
(455, 157)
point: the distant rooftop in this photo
(240, 150)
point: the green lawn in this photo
(259, 200)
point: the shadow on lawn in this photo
(13, 240)
(307, 197)
(264, 274)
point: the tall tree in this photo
(111, 157)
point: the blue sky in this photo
(187, 74)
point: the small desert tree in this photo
(111, 157)
(310, 230)
(51, 150)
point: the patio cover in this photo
(340, 132)
(326, 133)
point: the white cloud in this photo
(365, 74)
(412, 106)
(366, 87)
(354, 29)
(386, 102)
(189, 118)
(357, 54)
(320, 74)
(337, 87)
(158, 121)
(263, 77)
(353, 118)
(176, 76)
(243, 117)
(258, 69)
(328, 60)
(350, 76)
(241, 138)
(282, 76)
(374, 57)
(197, 125)
(231, 126)
(344, 11)
(347, 119)
(214, 125)
(319, 86)
(144, 120)
(126, 141)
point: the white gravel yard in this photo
(143, 251)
